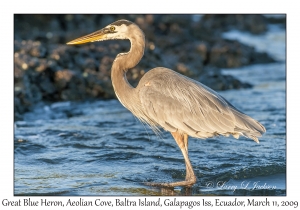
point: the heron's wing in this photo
(176, 102)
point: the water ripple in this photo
(101, 149)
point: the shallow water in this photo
(99, 148)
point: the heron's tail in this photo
(247, 126)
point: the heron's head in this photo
(121, 29)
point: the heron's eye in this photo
(112, 28)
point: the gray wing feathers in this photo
(176, 102)
(248, 126)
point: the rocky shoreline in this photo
(48, 70)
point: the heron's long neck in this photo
(124, 61)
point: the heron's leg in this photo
(190, 179)
(189, 170)
(185, 139)
(186, 144)
(182, 142)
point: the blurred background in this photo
(47, 70)
(66, 113)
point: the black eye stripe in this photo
(108, 31)
(120, 22)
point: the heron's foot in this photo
(186, 183)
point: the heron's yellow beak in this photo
(95, 36)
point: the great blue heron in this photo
(170, 100)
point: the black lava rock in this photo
(46, 69)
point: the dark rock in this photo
(214, 79)
(46, 69)
(277, 19)
(214, 24)
(232, 54)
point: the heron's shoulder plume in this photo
(121, 22)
